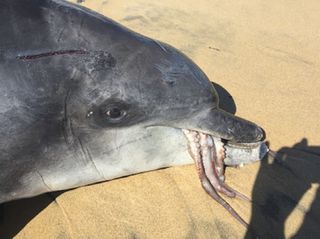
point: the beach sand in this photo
(266, 55)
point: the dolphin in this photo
(84, 100)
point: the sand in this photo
(266, 55)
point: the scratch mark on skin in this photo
(117, 147)
(81, 24)
(68, 131)
(52, 53)
(88, 156)
(61, 33)
(79, 32)
(70, 136)
(44, 182)
(161, 46)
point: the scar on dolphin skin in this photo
(101, 58)
(52, 53)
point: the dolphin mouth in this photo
(211, 154)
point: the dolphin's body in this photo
(84, 100)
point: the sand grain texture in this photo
(266, 54)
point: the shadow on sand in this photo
(15, 215)
(281, 183)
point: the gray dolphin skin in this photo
(84, 100)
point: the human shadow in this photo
(283, 179)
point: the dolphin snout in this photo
(260, 134)
(224, 125)
(243, 131)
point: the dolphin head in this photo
(129, 108)
(87, 100)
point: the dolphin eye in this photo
(115, 113)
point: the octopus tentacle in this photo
(209, 163)
(218, 156)
(208, 157)
(237, 193)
